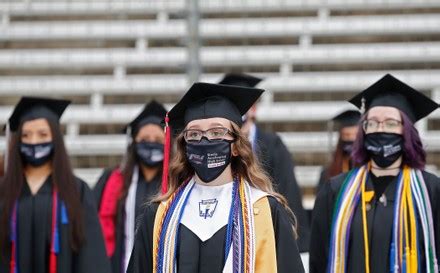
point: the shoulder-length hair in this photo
(245, 165)
(62, 177)
(335, 167)
(413, 153)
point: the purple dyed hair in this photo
(413, 153)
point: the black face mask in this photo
(384, 148)
(149, 153)
(209, 158)
(36, 154)
(347, 147)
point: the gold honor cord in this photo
(365, 224)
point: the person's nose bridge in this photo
(33, 138)
(380, 126)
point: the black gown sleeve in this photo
(288, 257)
(322, 180)
(100, 185)
(436, 220)
(433, 185)
(321, 229)
(141, 260)
(284, 177)
(321, 224)
(92, 256)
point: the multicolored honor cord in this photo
(58, 209)
(239, 231)
(412, 224)
(413, 221)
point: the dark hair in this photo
(62, 176)
(336, 165)
(413, 153)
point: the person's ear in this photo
(234, 150)
(252, 112)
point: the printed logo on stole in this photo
(207, 207)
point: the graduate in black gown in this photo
(276, 159)
(49, 221)
(347, 126)
(219, 212)
(122, 191)
(384, 215)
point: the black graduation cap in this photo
(153, 113)
(347, 118)
(30, 108)
(389, 91)
(243, 80)
(208, 100)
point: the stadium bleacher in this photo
(109, 56)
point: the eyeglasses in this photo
(371, 125)
(216, 133)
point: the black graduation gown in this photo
(144, 191)
(34, 235)
(380, 222)
(207, 257)
(322, 179)
(278, 163)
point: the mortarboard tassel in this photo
(54, 248)
(166, 160)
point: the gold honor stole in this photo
(265, 255)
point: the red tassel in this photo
(166, 159)
(53, 263)
(13, 264)
(53, 256)
(13, 259)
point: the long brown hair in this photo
(62, 177)
(338, 160)
(245, 165)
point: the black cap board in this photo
(30, 108)
(347, 118)
(208, 100)
(390, 91)
(153, 113)
(242, 80)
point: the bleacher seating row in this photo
(45, 7)
(426, 52)
(224, 28)
(322, 82)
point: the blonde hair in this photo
(245, 164)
